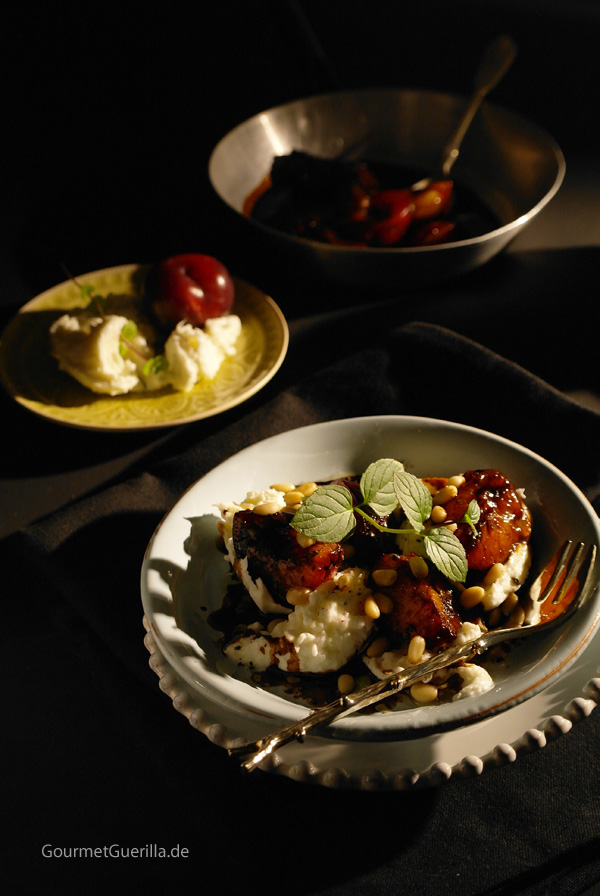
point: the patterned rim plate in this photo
(41, 387)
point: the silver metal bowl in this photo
(514, 166)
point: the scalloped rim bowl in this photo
(512, 164)
(183, 574)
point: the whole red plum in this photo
(189, 287)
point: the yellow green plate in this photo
(31, 376)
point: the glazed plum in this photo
(273, 553)
(421, 606)
(503, 522)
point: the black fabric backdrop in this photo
(94, 754)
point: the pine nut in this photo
(423, 693)
(438, 514)
(493, 574)
(430, 487)
(307, 488)
(379, 646)
(294, 497)
(456, 480)
(494, 617)
(345, 683)
(371, 608)
(384, 602)
(267, 508)
(510, 603)
(304, 541)
(329, 585)
(472, 596)
(516, 618)
(283, 486)
(416, 648)
(418, 566)
(445, 494)
(344, 580)
(297, 596)
(384, 577)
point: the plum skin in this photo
(190, 287)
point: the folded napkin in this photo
(119, 764)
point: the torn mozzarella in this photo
(476, 681)
(514, 573)
(87, 347)
(317, 637)
(194, 354)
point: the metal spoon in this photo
(495, 62)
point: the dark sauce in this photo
(325, 200)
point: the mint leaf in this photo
(472, 515)
(87, 291)
(128, 333)
(155, 365)
(327, 515)
(129, 330)
(377, 485)
(414, 497)
(89, 297)
(447, 553)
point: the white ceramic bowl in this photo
(183, 574)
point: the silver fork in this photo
(569, 563)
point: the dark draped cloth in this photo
(94, 753)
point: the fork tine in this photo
(571, 572)
(587, 584)
(540, 595)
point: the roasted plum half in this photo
(504, 519)
(422, 606)
(270, 547)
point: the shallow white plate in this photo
(183, 575)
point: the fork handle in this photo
(385, 687)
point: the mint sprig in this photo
(329, 514)
(472, 515)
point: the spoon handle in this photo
(495, 62)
